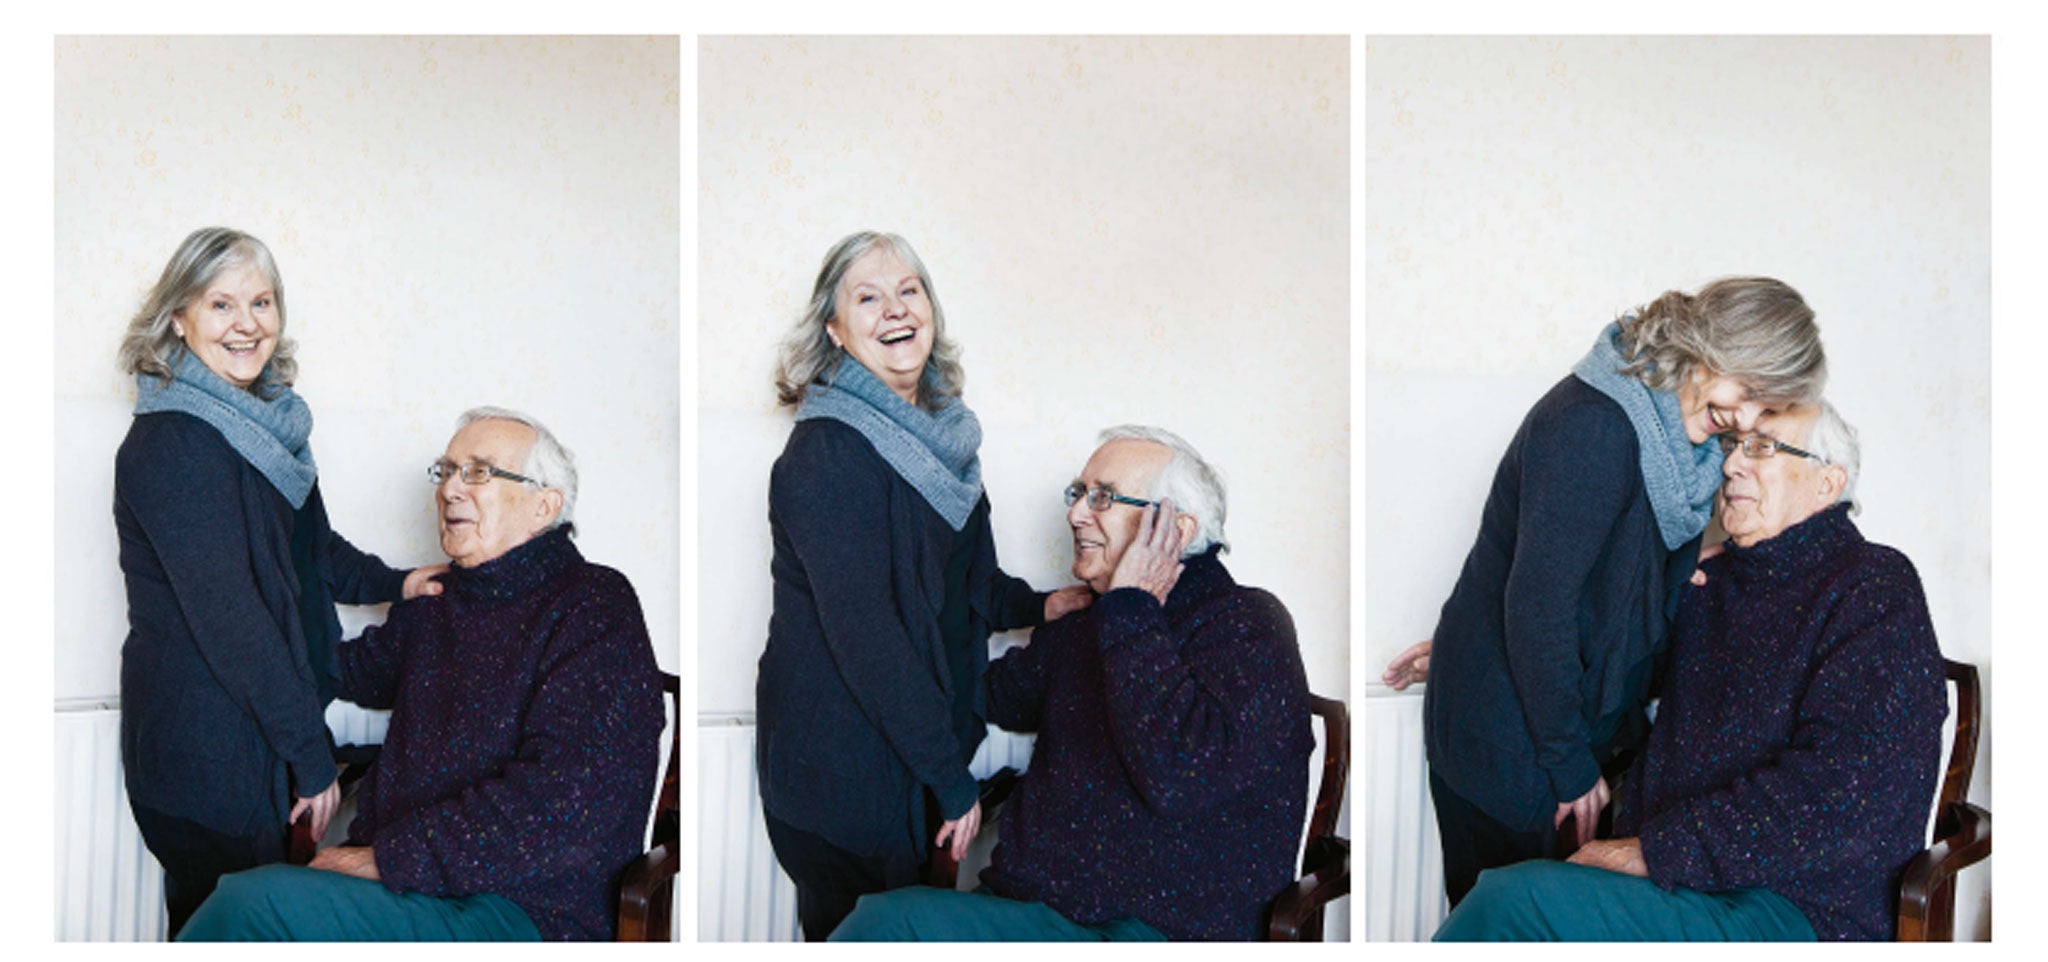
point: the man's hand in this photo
(322, 806)
(1409, 667)
(1586, 809)
(1152, 560)
(357, 860)
(1624, 855)
(961, 830)
(1066, 601)
(420, 581)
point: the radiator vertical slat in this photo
(1404, 869)
(108, 886)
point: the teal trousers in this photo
(287, 903)
(921, 914)
(1562, 902)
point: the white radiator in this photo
(1403, 878)
(109, 888)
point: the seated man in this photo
(1790, 770)
(1166, 791)
(526, 721)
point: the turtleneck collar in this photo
(1203, 577)
(1797, 549)
(518, 571)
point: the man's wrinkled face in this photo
(1127, 467)
(480, 522)
(1761, 497)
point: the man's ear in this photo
(1833, 478)
(546, 509)
(1186, 525)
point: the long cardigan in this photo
(1170, 776)
(221, 720)
(525, 733)
(1545, 650)
(1800, 729)
(854, 698)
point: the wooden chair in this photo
(1962, 831)
(646, 887)
(1296, 914)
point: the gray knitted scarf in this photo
(269, 434)
(1680, 476)
(935, 452)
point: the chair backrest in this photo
(1962, 753)
(1336, 766)
(646, 887)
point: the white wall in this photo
(1522, 192)
(458, 221)
(1129, 229)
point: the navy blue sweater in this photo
(1800, 729)
(855, 697)
(221, 714)
(1170, 776)
(525, 732)
(1546, 648)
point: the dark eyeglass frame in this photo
(473, 473)
(1100, 498)
(1759, 447)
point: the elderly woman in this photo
(1542, 657)
(886, 589)
(232, 573)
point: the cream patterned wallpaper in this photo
(1521, 192)
(458, 221)
(1147, 230)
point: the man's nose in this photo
(1078, 513)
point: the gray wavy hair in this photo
(1833, 439)
(1755, 329)
(151, 344)
(548, 463)
(808, 355)
(1194, 485)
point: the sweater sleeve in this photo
(1575, 481)
(186, 491)
(355, 577)
(1005, 601)
(587, 748)
(830, 493)
(1193, 728)
(1864, 748)
(1016, 683)
(369, 665)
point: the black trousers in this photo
(1474, 842)
(829, 879)
(195, 856)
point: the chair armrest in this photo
(645, 893)
(1297, 910)
(1935, 868)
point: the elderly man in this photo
(1165, 796)
(525, 730)
(1788, 775)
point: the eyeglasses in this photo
(1758, 446)
(1099, 499)
(475, 472)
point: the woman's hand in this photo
(1699, 575)
(961, 830)
(420, 581)
(1152, 560)
(1624, 855)
(1410, 667)
(1586, 809)
(1067, 600)
(322, 806)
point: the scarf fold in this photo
(1680, 476)
(935, 452)
(269, 434)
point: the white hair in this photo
(1194, 486)
(548, 463)
(1833, 440)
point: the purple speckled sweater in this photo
(1800, 731)
(1170, 777)
(525, 732)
